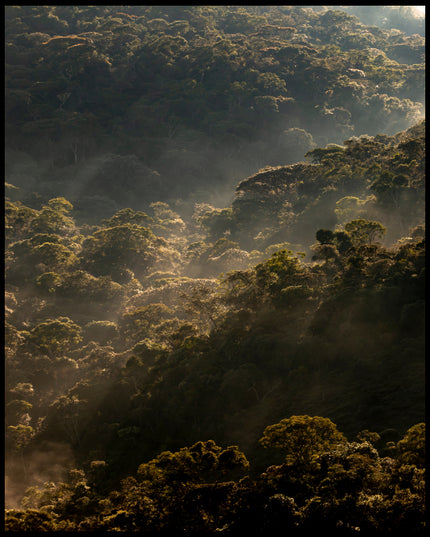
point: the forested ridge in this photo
(215, 263)
(158, 94)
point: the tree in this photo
(350, 478)
(61, 205)
(166, 220)
(48, 281)
(325, 251)
(190, 488)
(365, 231)
(325, 236)
(302, 438)
(19, 435)
(411, 448)
(36, 254)
(104, 332)
(278, 271)
(17, 411)
(31, 520)
(18, 220)
(202, 303)
(67, 417)
(126, 216)
(140, 322)
(54, 336)
(55, 256)
(202, 462)
(23, 389)
(348, 208)
(69, 501)
(390, 189)
(320, 155)
(52, 218)
(79, 285)
(109, 251)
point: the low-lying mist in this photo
(47, 465)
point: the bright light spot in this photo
(420, 10)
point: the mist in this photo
(214, 222)
(408, 19)
(49, 464)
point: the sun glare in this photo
(421, 10)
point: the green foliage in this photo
(29, 520)
(141, 319)
(139, 323)
(17, 410)
(35, 255)
(82, 285)
(278, 271)
(411, 448)
(126, 216)
(52, 217)
(199, 463)
(348, 208)
(101, 331)
(18, 219)
(48, 281)
(55, 336)
(302, 438)
(19, 435)
(114, 250)
(364, 232)
(325, 236)
(319, 154)
(282, 88)
(351, 483)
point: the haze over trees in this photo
(215, 261)
(158, 95)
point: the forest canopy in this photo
(182, 102)
(215, 269)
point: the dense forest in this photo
(214, 269)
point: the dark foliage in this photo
(178, 367)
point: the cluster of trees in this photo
(179, 100)
(123, 339)
(372, 177)
(325, 482)
(141, 319)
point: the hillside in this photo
(182, 103)
(214, 271)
